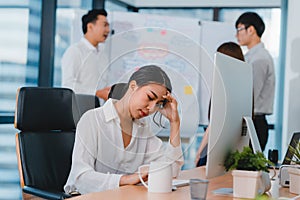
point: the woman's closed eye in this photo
(158, 104)
(150, 98)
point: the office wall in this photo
(291, 109)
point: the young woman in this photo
(114, 140)
(234, 50)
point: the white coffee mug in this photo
(159, 177)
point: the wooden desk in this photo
(140, 192)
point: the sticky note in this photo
(188, 89)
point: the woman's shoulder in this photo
(92, 114)
(103, 113)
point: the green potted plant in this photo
(248, 168)
(294, 172)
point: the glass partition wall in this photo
(19, 66)
(19, 58)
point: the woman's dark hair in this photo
(231, 49)
(145, 75)
(251, 19)
(91, 17)
(150, 74)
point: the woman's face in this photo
(145, 100)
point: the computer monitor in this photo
(231, 107)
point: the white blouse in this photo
(99, 157)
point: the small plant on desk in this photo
(247, 160)
(248, 168)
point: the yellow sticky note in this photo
(188, 89)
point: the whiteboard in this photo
(183, 47)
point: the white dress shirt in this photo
(263, 78)
(99, 157)
(84, 67)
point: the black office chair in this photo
(47, 118)
(117, 90)
(86, 102)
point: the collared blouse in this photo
(99, 157)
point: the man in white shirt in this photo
(84, 63)
(250, 27)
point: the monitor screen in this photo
(293, 143)
(231, 101)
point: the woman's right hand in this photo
(132, 179)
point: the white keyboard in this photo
(180, 182)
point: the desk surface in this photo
(140, 192)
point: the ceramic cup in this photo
(159, 177)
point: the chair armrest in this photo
(45, 194)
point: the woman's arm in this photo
(204, 142)
(103, 93)
(171, 113)
(83, 176)
(132, 179)
(172, 152)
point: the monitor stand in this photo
(265, 183)
(252, 133)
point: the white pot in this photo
(294, 174)
(246, 184)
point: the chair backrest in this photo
(86, 102)
(47, 118)
(117, 90)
